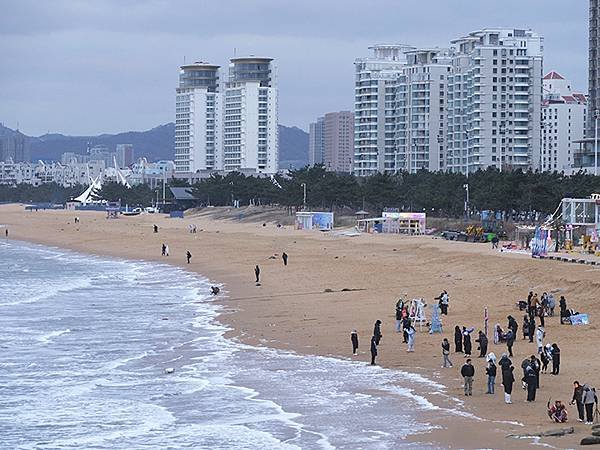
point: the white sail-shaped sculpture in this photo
(86, 196)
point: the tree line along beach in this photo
(333, 284)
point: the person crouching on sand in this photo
(373, 350)
(558, 412)
(446, 353)
(354, 340)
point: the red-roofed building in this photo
(564, 114)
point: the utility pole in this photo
(596, 113)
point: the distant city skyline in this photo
(88, 68)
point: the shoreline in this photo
(281, 312)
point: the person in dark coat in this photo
(257, 273)
(284, 256)
(513, 325)
(483, 344)
(373, 350)
(377, 331)
(578, 400)
(467, 346)
(406, 324)
(532, 328)
(508, 379)
(164, 250)
(188, 255)
(490, 371)
(526, 326)
(562, 304)
(468, 372)
(531, 381)
(536, 366)
(458, 348)
(510, 340)
(555, 359)
(354, 340)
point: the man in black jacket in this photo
(468, 372)
(578, 400)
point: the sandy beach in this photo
(365, 274)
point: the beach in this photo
(335, 283)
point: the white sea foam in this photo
(47, 338)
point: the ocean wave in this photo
(47, 338)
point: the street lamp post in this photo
(466, 187)
(304, 195)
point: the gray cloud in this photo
(84, 67)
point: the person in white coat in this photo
(411, 339)
(540, 334)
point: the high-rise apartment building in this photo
(227, 126)
(374, 106)
(420, 111)
(125, 155)
(563, 122)
(316, 142)
(338, 152)
(14, 147)
(250, 113)
(494, 101)
(197, 118)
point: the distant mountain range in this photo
(154, 144)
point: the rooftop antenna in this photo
(183, 59)
(234, 51)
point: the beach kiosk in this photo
(314, 220)
(113, 209)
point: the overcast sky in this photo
(94, 66)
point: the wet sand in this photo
(366, 274)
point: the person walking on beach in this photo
(458, 340)
(510, 341)
(188, 255)
(483, 344)
(467, 346)
(578, 400)
(513, 325)
(377, 331)
(546, 357)
(167, 250)
(555, 359)
(446, 353)
(526, 325)
(490, 371)
(284, 257)
(411, 338)
(531, 381)
(155, 227)
(398, 316)
(373, 350)
(164, 250)
(468, 372)
(354, 340)
(508, 379)
(589, 399)
(540, 333)
(257, 273)
(406, 324)
(6, 233)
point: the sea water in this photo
(85, 343)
